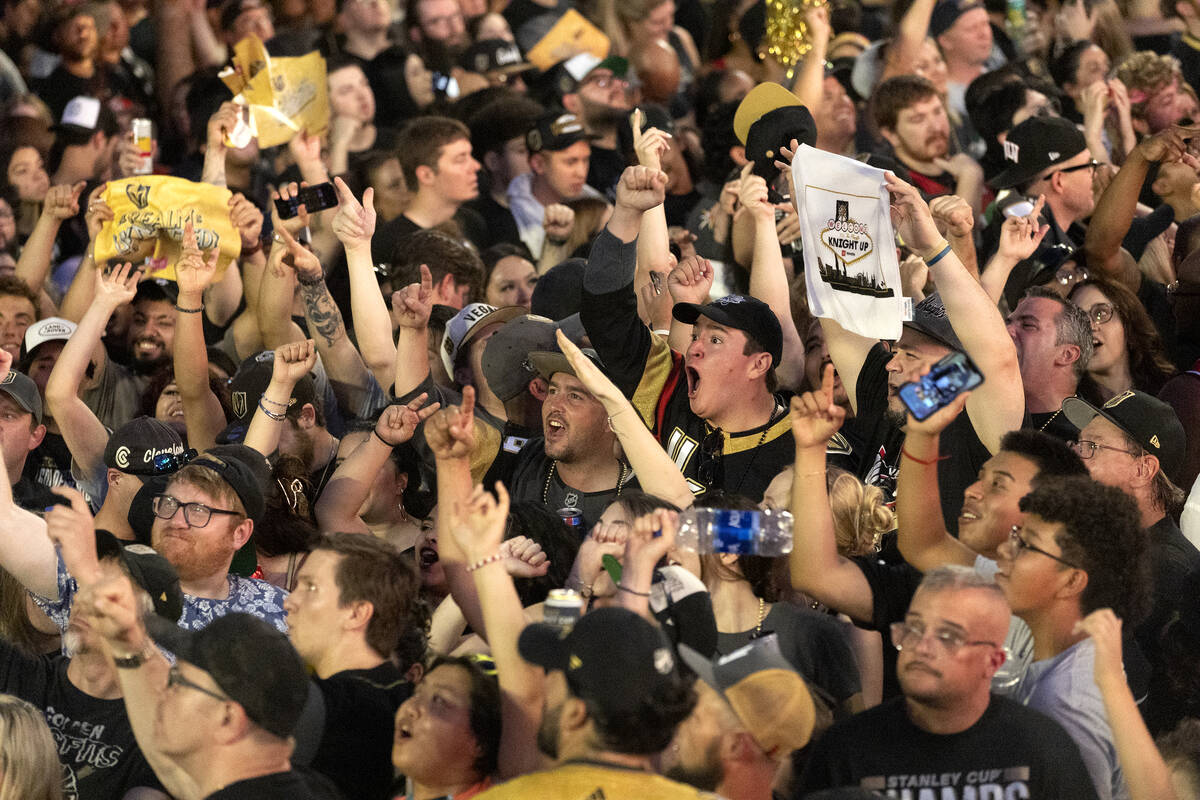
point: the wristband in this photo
(305, 281)
(249, 251)
(929, 262)
(555, 241)
(134, 660)
(386, 443)
(183, 310)
(904, 452)
(622, 587)
(270, 414)
(483, 562)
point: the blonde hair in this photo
(860, 516)
(29, 766)
(589, 213)
(617, 17)
(1148, 72)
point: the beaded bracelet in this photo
(183, 310)
(270, 414)
(275, 403)
(483, 562)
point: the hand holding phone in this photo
(313, 198)
(936, 389)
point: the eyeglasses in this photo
(605, 81)
(1087, 449)
(1069, 274)
(196, 515)
(1019, 544)
(1089, 165)
(1100, 313)
(946, 641)
(175, 678)
(710, 470)
(171, 462)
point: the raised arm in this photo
(768, 280)
(1115, 210)
(354, 225)
(26, 552)
(1019, 240)
(816, 567)
(810, 74)
(292, 362)
(478, 530)
(922, 535)
(225, 293)
(650, 539)
(61, 203)
(955, 219)
(998, 406)
(657, 473)
(220, 125)
(413, 304)
(1146, 773)
(78, 298)
(202, 410)
(288, 263)
(85, 436)
(653, 247)
(337, 507)
(911, 34)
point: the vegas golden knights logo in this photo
(238, 400)
(138, 194)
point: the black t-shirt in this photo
(892, 589)
(50, 462)
(534, 480)
(390, 236)
(296, 784)
(877, 459)
(499, 223)
(360, 712)
(100, 757)
(812, 643)
(1010, 752)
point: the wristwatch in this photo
(134, 660)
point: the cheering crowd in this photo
(385, 461)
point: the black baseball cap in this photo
(556, 131)
(145, 446)
(252, 662)
(549, 362)
(769, 118)
(159, 289)
(506, 363)
(240, 477)
(148, 570)
(612, 657)
(251, 380)
(1150, 422)
(1034, 146)
(930, 319)
(741, 312)
(947, 12)
(494, 55)
(21, 388)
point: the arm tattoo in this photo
(321, 312)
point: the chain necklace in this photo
(1053, 417)
(754, 456)
(762, 608)
(554, 468)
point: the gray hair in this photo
(955, 576)
(1072, 326)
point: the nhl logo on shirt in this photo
(238, 401)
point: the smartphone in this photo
(444, 84)
(936, 389)
(314, 198)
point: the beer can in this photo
(563, 608)
(571, 516)
(143, 139)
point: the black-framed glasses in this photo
(710, 470)
(1069, 274)
(1086, 449)
(946, 641)
(1100, 313)
(175, 678)
(1019, 544)
(164, 463)
(196, 515)
(1092, 164)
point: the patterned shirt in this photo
(247, 595)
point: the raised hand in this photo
(296, 256)
(605, 539)
(248, 220)
(297, 223)
(354, 222)
(815, 417)
(641, 188)
(305, 148)
(62, 201)
(911, 216)
(98, 212)
(588, 373)
(480, 525)
(293, 361)
(650, 539)
(1105, 629)
(73, 532)
(118, 287)
(952, 215)
(523, 557)
(398, 423)
(222, 123)
(650, 144)
(691, 280)
(116, 611)
(939, 420)
(412, 305)
(752, 192)
(194, 272)
(960, 165)
(558, 221)
(450, 433)
(1168, 145)
(1020, 236)
(6, 359)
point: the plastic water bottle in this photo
(1014, 22)
(720, 530)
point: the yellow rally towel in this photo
(285, 95)
(149, 215)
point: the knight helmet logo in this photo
(138, 194)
